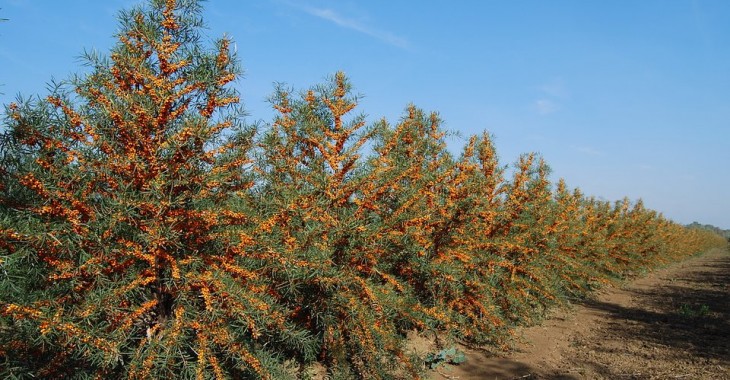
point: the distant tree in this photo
(709, 227)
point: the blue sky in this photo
(622, 97)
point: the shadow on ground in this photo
(498, 368)
(672, 325)
(685, 321)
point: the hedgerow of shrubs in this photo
(147, 231)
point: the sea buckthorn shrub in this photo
(316, 200)
(125, 250)
(147, 231)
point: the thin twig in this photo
(450, 377)
(523, 376)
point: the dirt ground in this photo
(671, 324)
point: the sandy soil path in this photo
(671, 324)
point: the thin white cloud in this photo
(535, 137)
(10, 57)
(18, 3)
(588, 150)
(545, 106)
(337, 19)
(646, 167)
(552, 93)
(555, 88)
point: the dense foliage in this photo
(711, 228)
(147, 232)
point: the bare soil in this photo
(673, 323)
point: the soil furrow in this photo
(673, 323)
